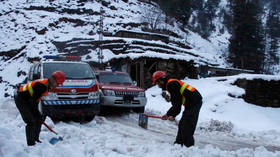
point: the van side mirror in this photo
(97, 77)
(134, 83)
(36, 76)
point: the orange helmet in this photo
(157, 75)
(59, 77)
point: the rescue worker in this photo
(180, 94)
(27, 99)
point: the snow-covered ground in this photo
(227, 127)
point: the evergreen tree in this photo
(247, 46)
(197, 4)
(180, 9)
(183, 10)
(273, 34)
(206, 17)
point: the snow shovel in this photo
(143, 120)
(53, 140)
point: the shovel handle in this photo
(152, 116)
(49, 128)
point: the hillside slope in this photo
(31, 28)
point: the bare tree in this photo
(153, 16)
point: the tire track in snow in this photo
(159, 131)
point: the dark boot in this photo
(39, 141)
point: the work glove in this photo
(171, 118)
(165, 117)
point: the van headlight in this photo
(93, 95)
(141, 94)
(50, 96)
(108, 92)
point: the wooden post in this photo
(141, 74)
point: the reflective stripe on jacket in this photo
(183, 87)
(30, 85)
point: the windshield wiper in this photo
(127, 83)
(115, 82)
(87, 78)
(71, 78)
(83, 78)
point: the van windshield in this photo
(114, 78)
(72, 70)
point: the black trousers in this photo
(32, 118)
(187, 126)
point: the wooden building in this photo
(140, 57)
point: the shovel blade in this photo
(143, 121)
(54, 140)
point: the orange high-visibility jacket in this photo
(183, 87)
(30, 85)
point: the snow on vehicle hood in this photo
(121, 87)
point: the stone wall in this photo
(261, 92)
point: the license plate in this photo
(127, 101)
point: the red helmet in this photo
(157, 75)
(59, 77)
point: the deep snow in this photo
(227, 127)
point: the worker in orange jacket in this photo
(181, 94)
(27, 99)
